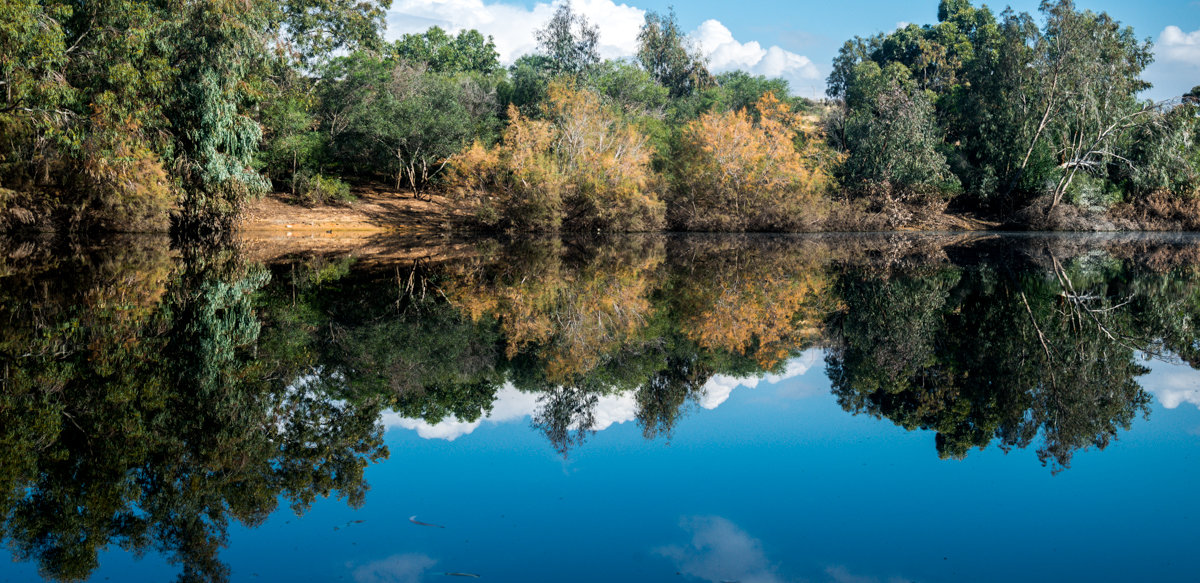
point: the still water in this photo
(755, 409)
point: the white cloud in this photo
(614, 410)
(719, 387)
(510, 405)
(513, 27)
(1178, 46)
(726, 53)
(720, 551)
(1176, 66)
(1173, 389)
(395, 569)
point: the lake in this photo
(828, 408)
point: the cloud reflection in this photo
(718, 388)
(721, 552)
(1174, 386)
(515, 405)
(406, 568)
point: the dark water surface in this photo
(755, 409)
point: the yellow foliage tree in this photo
(738, 174)
(579, 168)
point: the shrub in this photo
(315, 189)
(736, 174)
(121, 185)
(578, 168)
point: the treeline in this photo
(139, 114)
(997, 113)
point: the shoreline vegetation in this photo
(202, 118)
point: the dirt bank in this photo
(376, 210)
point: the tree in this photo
(581, 167)
(395, 115)
(1192, 96)
(569, 41)
(317, 29)
(670, 56)
(891, 136)
(468, 52)
(738, 174)
(1088, 94)
(629, 87)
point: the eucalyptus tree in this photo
(569, 41)
(1085, 97)
(671, 56)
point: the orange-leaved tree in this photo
(737, 171)
(580, 167)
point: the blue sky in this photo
(795, 40)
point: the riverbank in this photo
(381, 210)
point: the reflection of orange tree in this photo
(763, 301)
(571, 314)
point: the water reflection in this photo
(152, 396)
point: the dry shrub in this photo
(738, 174)
(580, 168)
(15, 210)
(1043, 215)
(122, 184)
(1161, 211)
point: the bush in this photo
(735, 174)
(121, 185)
(580, 168)
(316, 189)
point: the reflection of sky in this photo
(1172, 386)
(514, 405)
(775, 484)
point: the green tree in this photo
(317, 29)
(891, 136)
(468, 52)
(670, 56)
(396, 116)
(569, 41)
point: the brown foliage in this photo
(122, 183)
(765, 302)
(1161, 211)
(738, 174)
(579, 168)
(572, 315)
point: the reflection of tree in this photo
(572, 306)
(566, 415)
(135, 413)
(661, 399)
(761, 299)
(983, 353)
